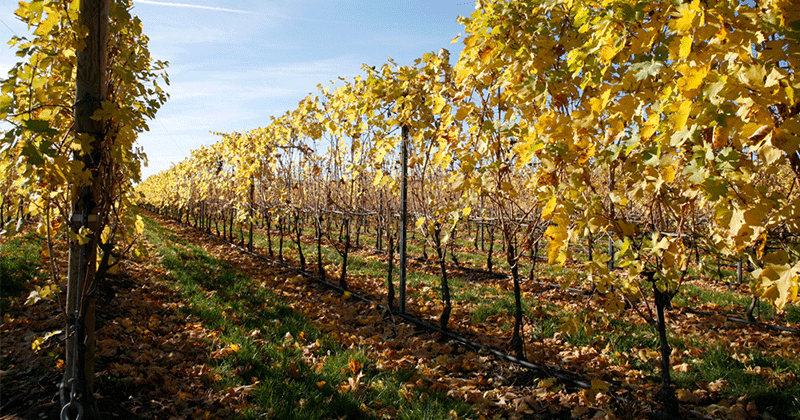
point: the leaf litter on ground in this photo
(159, 358)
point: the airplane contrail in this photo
(190, 6)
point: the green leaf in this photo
(650, 156)
(696, 172)
(30, 151)
(715, 188)
(728, 159)
(40, 127)
(647, 69)
(5, 105)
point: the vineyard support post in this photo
(78, 383)
(252, 204)
(379, 233)
(739, 270)
(403, 218)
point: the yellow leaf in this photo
(651, 125)
(547, 382)
(420, 221)
(106, 235)
(438, 104)
(781, 284)
(139, 225)
(668, 173)
(83, 236)
(114, 269)
(687, 396)
(692, 79)
(598, 105)
(47, 25)
(599, 385)
(486, 54)
(355, 366)
(463, 72)
(686, 21)
(607, 53)
(558, 240)
(686, 46)
(548, 208)
(463, 112)
(771, 154)
(36, 345)
(438, 157)
(679, 119)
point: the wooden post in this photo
(78, 383)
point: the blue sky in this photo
(233, 64)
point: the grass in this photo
(19, 264)
(732, 302)
(618, 335)
(793, 312)
(501, 305)
(286, 386)
(359, 266)
(781, 401)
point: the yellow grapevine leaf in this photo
(139, 225)
(354, 365)
(686, 46)
(438, 104)
(36, 345)
(599, 385)
(105, 237)
(463, 112)
(686, 21)
(548, 208)
(558, 240)
(693, 78)
(599, 104)
(607, 53)
(682, 115)
(650, 126)
(779, 284)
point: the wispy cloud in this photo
(191, 6)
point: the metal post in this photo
(403, 218)
(252, 205)
(611, 187)
(739, 270)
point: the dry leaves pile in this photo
(151, 360)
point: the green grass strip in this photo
(271, 338)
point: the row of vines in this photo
(668, 129)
